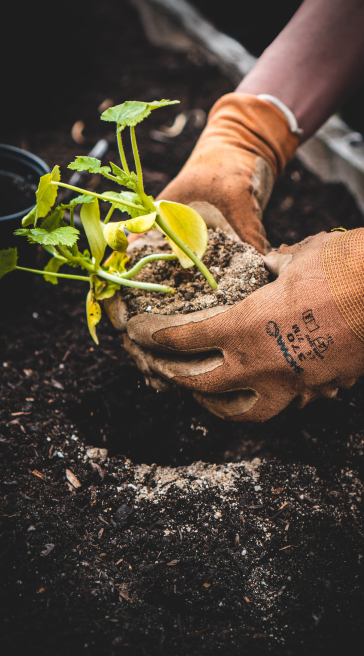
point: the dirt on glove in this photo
(237, 268)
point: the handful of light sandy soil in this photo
(236, 266)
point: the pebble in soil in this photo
(237, 268)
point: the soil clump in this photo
(237, 268)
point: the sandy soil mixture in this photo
(237, 268)
(116, 558)
(169, 558)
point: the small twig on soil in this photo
(289, 546)
(281, 510)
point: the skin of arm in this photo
(315, 63)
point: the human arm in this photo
(315, 63)
(312, 66)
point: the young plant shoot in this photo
(183, 228)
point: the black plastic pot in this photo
(19, 177)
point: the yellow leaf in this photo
(105, 289)
(115, 236)
(47, 193)
(141, 223)
(117, 262)
(188, 225)
(93, 313)
(90, 217)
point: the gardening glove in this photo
(246, 143)
(299, 337)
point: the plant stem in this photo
(72, 221)
(56, 275)
(91, 193)
(102, 274)
(109, 215)
(59, 256)
(172, 235)
(145, 260)
(121, 152)
(138, 165)
(132, 283)
(111, 177)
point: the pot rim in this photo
(31, 158)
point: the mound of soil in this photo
(237, 268)
(105, 557)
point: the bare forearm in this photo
(315, 62)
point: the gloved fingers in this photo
(307, 245)
(138, 354)
(173, 332)
(140, 359)
(277, 262)
(117, 311)
(311, 395)
(346, 383)
(246, 404)
(228, 405)
(187, 370)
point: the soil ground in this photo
(260, 551)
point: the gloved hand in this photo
(246, 143)
(244, 146)
(299, 337)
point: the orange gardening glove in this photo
(246, 143)
(299, 337)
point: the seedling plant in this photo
(48, 223)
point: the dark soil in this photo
(237, 268)
(106, 557)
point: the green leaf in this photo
(65, 236)
(22, 232)
(105, 289)
(83, 163)
(132, 112)
(124, 179)
(188, 225)
(30, 217)
(53, 221)
(115, 236)
(90, 217)
(79, 200)
(116, 262)
(116, 201)
(47, 193)
(93, 314)
(8, 260)
(53, 266)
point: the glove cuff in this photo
(270, 131)
(285, 110)
(343, 264)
